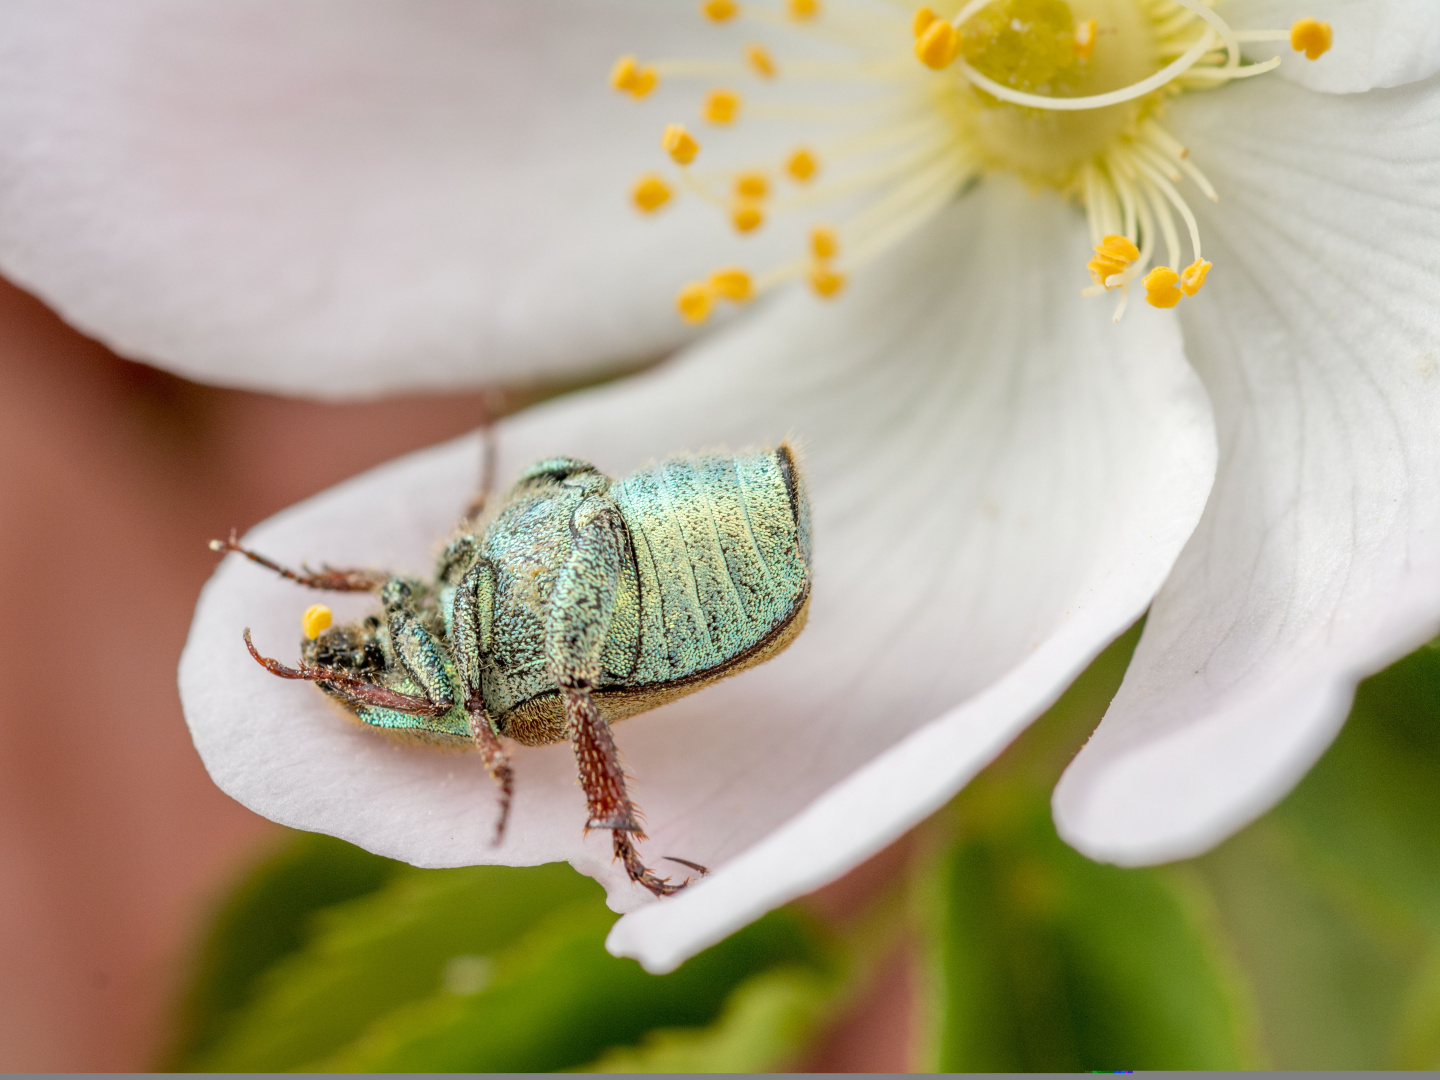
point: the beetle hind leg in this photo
(497, 764)
(608, 804)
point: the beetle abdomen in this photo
(722, 549)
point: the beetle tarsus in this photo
(327, 577)
(703, 871)
(640, 873)
(497, 764)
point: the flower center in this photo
(913, 105)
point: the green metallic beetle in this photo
(578, 602)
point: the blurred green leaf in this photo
(1048, 961)
(372, 955)
(1333, 900)
(558, 1000)
(768, 1021)
(262, 921)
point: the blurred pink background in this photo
(114, 845)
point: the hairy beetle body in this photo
(578, 601)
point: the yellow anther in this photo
(761, 60)
(800, 10)
(802, 165)
(624, 74)
(721, 107)
(694, 302)
(747, 217)
(1112, 255)
(826, 282)
(1085, 39)
(1193, 279)
(823, 242)
(679, 144)
(732, 283)
(1160, 290)
(720, 10)
(650, 193)
(315, 621)
(645, 80)
(923, 18)
(1311, 37)
(752, 185)
(938, 46)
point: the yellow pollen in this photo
(1160, 290)
(761, 60)
(826, 282)
(1085, 39)
(624, 73)
(694, 302)
(800, 10)
(752, 185)
(650, 193)
(679, 144)
(721, 107)
(823, 242)
(315, 620)
(1193, 279)
(1311, 37)
(645, 80)
(802, 165)
(938, 46)
(720, 10)
(732, 283)
(1112, 255)
(923, 18)
(747, 217)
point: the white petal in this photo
(344, 197)
(1000, 476)
(1377, 42)
(1318, 559)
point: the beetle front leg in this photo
(327, 577)
(581, 609)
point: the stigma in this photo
(1066, 94)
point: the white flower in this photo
(343, 199)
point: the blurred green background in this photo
(1311, 940)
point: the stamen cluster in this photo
(1017, 85)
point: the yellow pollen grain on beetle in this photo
(752, 185)
(650, 193)
(732, 283)
(801, 10)
(1160, 290)
(938, 45)
(747, 217)
(824, 244)
(720, 10)
(802, 165)
(721, 107)
(679, 144)
(694, 302)
(1192, 280)
(1312, 37)
(315, 621)
(1085, 39)
(759, 58)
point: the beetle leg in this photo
(327, 577)
(497, 763)
(353, 687)
(582, 606)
